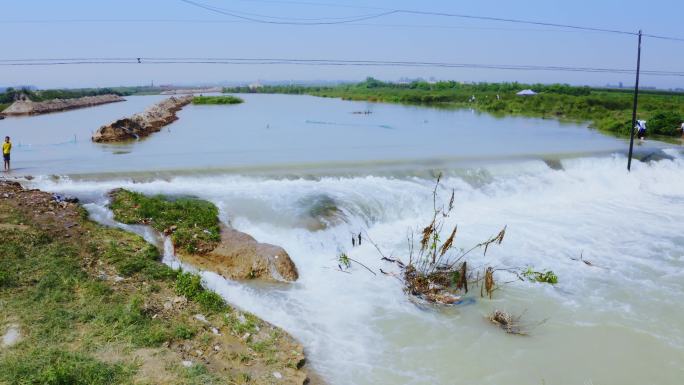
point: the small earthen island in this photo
(143, 124)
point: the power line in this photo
(332, 5)
(663, 37)
(256, 19)
(388, 12)
(319, 62)
(414, 12)
(223, 21)
(246, 17)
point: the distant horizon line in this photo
(302, 82)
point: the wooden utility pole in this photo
(634, 110)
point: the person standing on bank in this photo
(641, 129)
(6, 149)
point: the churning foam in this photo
(618, 321)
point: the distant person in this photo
(682, 128)
(6, 149)
(641, 129)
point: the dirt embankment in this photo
(143, 124)
(28, 107)
(119, 307)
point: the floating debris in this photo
(435, 273)
(510, 324)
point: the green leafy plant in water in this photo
(543, 277)
(344, 261)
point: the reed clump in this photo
(436, 271)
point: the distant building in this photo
(255, 86)
(526, 93)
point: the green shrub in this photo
(665, 123)
(225, 99)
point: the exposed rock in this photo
(64, 198)
(239, 256)
(144, 123)
(12, 336)
(186, 363)
(28, 107)
(321, 212)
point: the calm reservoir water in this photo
(268, 163)
(281, 132)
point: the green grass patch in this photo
(248, 323)
(196, 221)
(50, 366)
(51, 294)
(129, 261)
(198, 374)
(184, 332)
(224, 99)
(190, 286)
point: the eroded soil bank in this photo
(93, 305)
(28, 107)
(142, 124)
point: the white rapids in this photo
(616, 322)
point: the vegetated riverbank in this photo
(12, 94)
(198, 237)
(224, 99)
(86, 304)
(607, 110)
(29, 107)
(143, 124)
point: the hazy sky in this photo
(171, 28)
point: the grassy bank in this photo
(224, 99)
(607, 110)
(94, 305)
(193, 224)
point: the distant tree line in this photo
(606, 109)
